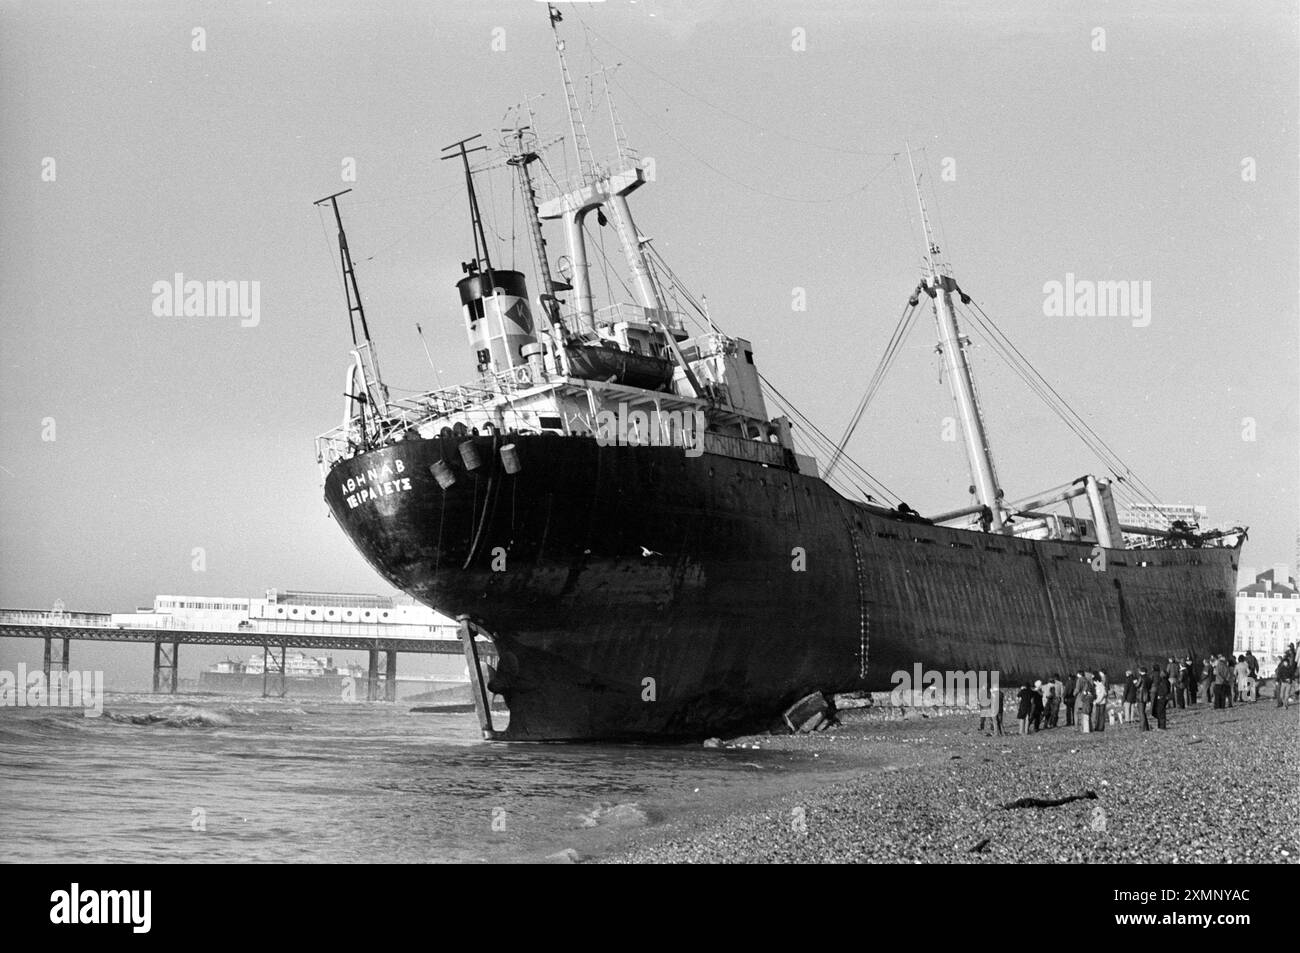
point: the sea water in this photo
(237, 779)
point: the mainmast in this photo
(598, 187)
(582, 147)
(953, 349)
(375, 390)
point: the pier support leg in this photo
(372, 676)
(162, 660)
(482, 702)
(390, 676)
(55, 662)
(269, 660)
(176, 665)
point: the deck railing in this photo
(410, 413)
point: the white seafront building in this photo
(1162, 515)
(298, 612)
(1268, 617)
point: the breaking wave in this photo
(176, 716)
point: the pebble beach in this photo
(1215, 787)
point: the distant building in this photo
(296, 665)
(288, 611)
(1268, 617)
(1161, 514)
(1158, 516)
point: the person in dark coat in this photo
(1130, 696)
(1026, 709)
(1068, 700)
(1283, 675)
(1144, 695)
(1036, 715)
(1161, 705)
(1222, 692)
(1190, 680)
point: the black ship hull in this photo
(642, 593)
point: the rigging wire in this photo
(384, 249)
(720, 109)
(901, 330)
(813, 434)
(1041, 388)
(730, 177)
(331, 247)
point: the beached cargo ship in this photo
(612, 502)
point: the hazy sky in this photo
(771, 124)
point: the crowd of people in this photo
(1089, 701)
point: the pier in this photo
(274, 636)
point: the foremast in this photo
(364, 387)
(953, 348)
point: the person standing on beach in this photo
(1101, 690)
(1144, 695)
(1130, 696)
(1082, 688)
(1221, 691)
(1051, 701)
(991, 711)
(1036, 715)
(1026, 709)
(1160, 706)
(1180, 685)
(1084, 702)
(1283, 676)
(1253, 663)
(1207, 679)
(1241, 680)
(1058, 691)
(1190, 676)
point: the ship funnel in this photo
(497, 318)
